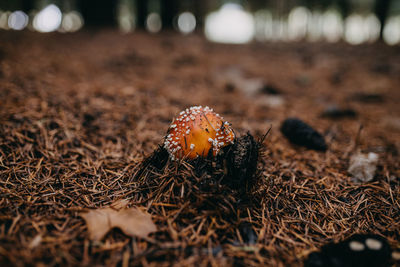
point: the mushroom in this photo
(197, 131)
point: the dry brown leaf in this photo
(132, 222)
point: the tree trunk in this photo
(169, 9)
(98, 13)
(382, 11)
(27, 5)
(142, 11)
(344, 8)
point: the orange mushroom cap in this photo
(195, 131)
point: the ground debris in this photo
(131, 221)
(363, 166)
(302, 134)
(334, 112)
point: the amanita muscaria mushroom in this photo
(195, 132)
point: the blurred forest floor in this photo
(80, 112)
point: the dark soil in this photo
(79, 114)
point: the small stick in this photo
(356, 142)
(265, 135)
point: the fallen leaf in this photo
(132, 222)
(99, 222)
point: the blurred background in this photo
(351, 21)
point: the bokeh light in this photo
(48, 19)
(354, 33)
(332, 26)
(360, 29)
(126, 17)
(372, 27)
(230, 24)
(72, 21)
(315, 26)
(297, 23)
(18, 20)
(153, 22)
(391, 32)
(262, 19)
(4, 20)
(186, 22)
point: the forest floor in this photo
(80, 112)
